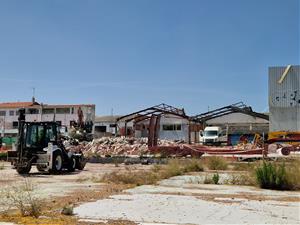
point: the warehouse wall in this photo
(182, 134)
(284, 99)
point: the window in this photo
(112, 125)
(15, 124)
(2, 113)
(100, 129)
(32, 111)
(210, 133)
(170, 127)
(34, 135)
(11, 113)
(48, 111)
(63, 110)
(50, 134)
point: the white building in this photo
(66, 115)
(171, 127)
(105, 126)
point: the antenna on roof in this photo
(33, 95)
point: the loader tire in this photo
(57, 163)
(72, 164)
(24, 170)
(80, 163)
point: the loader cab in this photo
(37, 135)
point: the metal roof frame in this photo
(154, 110)
(239, 107)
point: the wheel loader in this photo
(40, 144)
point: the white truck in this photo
(213, 136)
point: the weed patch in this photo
(283, 176)
(216, 163)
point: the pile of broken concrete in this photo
(118, 146)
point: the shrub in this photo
(273, 176)
(217, 163)
(193, 165)
(172, 169)
(216, 178)
(208, 180)
(22, 197)
(67, 210)
(3, 156)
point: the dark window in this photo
(48, 111)
(112, 125)
(178, 127)
(11, 113)
(58, 123)
(100, 129)
(63, 110)
(2, 113)
(15, 124)
(169, 127)
(34, 136)
(32, 111)
(50, 135)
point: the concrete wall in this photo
(284, 99)
(240, 123)
(182, 134)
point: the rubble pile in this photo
(113, 146)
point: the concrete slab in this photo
(177, 201)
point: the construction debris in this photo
(108, 146)
(131, 147)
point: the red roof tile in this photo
(16, 104)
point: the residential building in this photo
(65, 115)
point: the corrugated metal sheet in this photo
(284, 99)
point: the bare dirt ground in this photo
(178, 200)
(48, 186)
(57, 191)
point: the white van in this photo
(213, 136)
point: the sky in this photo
(125, 55)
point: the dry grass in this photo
(243, 166)
(50, 210)
(246, 178)
(173, 168)
(216, 163)
(23, 198)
